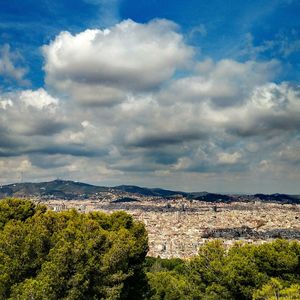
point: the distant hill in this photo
(125, 200)
(67, 189)
(63, 189)
(282, 198)
(156, 192)
(211, 197)
(134, 190)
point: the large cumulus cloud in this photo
(102, 66)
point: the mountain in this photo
(282, 198)
(211, 197)
(156, 192)
(67, 189)
(64, 189)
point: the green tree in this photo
(69, 255)
(169, 285)
(274, 290)
(17, 209)
(278, 259)
(207, 273)
(241, 273)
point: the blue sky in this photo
(217, 28)
(227, 58)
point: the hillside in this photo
(57, 189)
(67, 189)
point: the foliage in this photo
(277, 289)
(278, 259)
(241, 272)
(17, 209)
(170, 285)
(68, 255)
(159, 264)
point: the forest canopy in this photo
(68, 255)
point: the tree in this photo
(68, 255)
(17, 209)
(206, 271)
(274, 290)
(241, 273)
(169, 285)
(278, 259)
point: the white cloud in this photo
(229, 158)
(223, 83)
(183, 163)
(28, 113)
(98, 66)
(4, 103)
(8, 65)
(38, 99)
(271, 109)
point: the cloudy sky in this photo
(189, 95)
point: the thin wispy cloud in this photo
(12, 65)
(108, 12)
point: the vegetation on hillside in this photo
(68, 255)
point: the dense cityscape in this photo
(179, 227)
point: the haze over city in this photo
(185, 95)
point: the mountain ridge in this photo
(68, 189)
